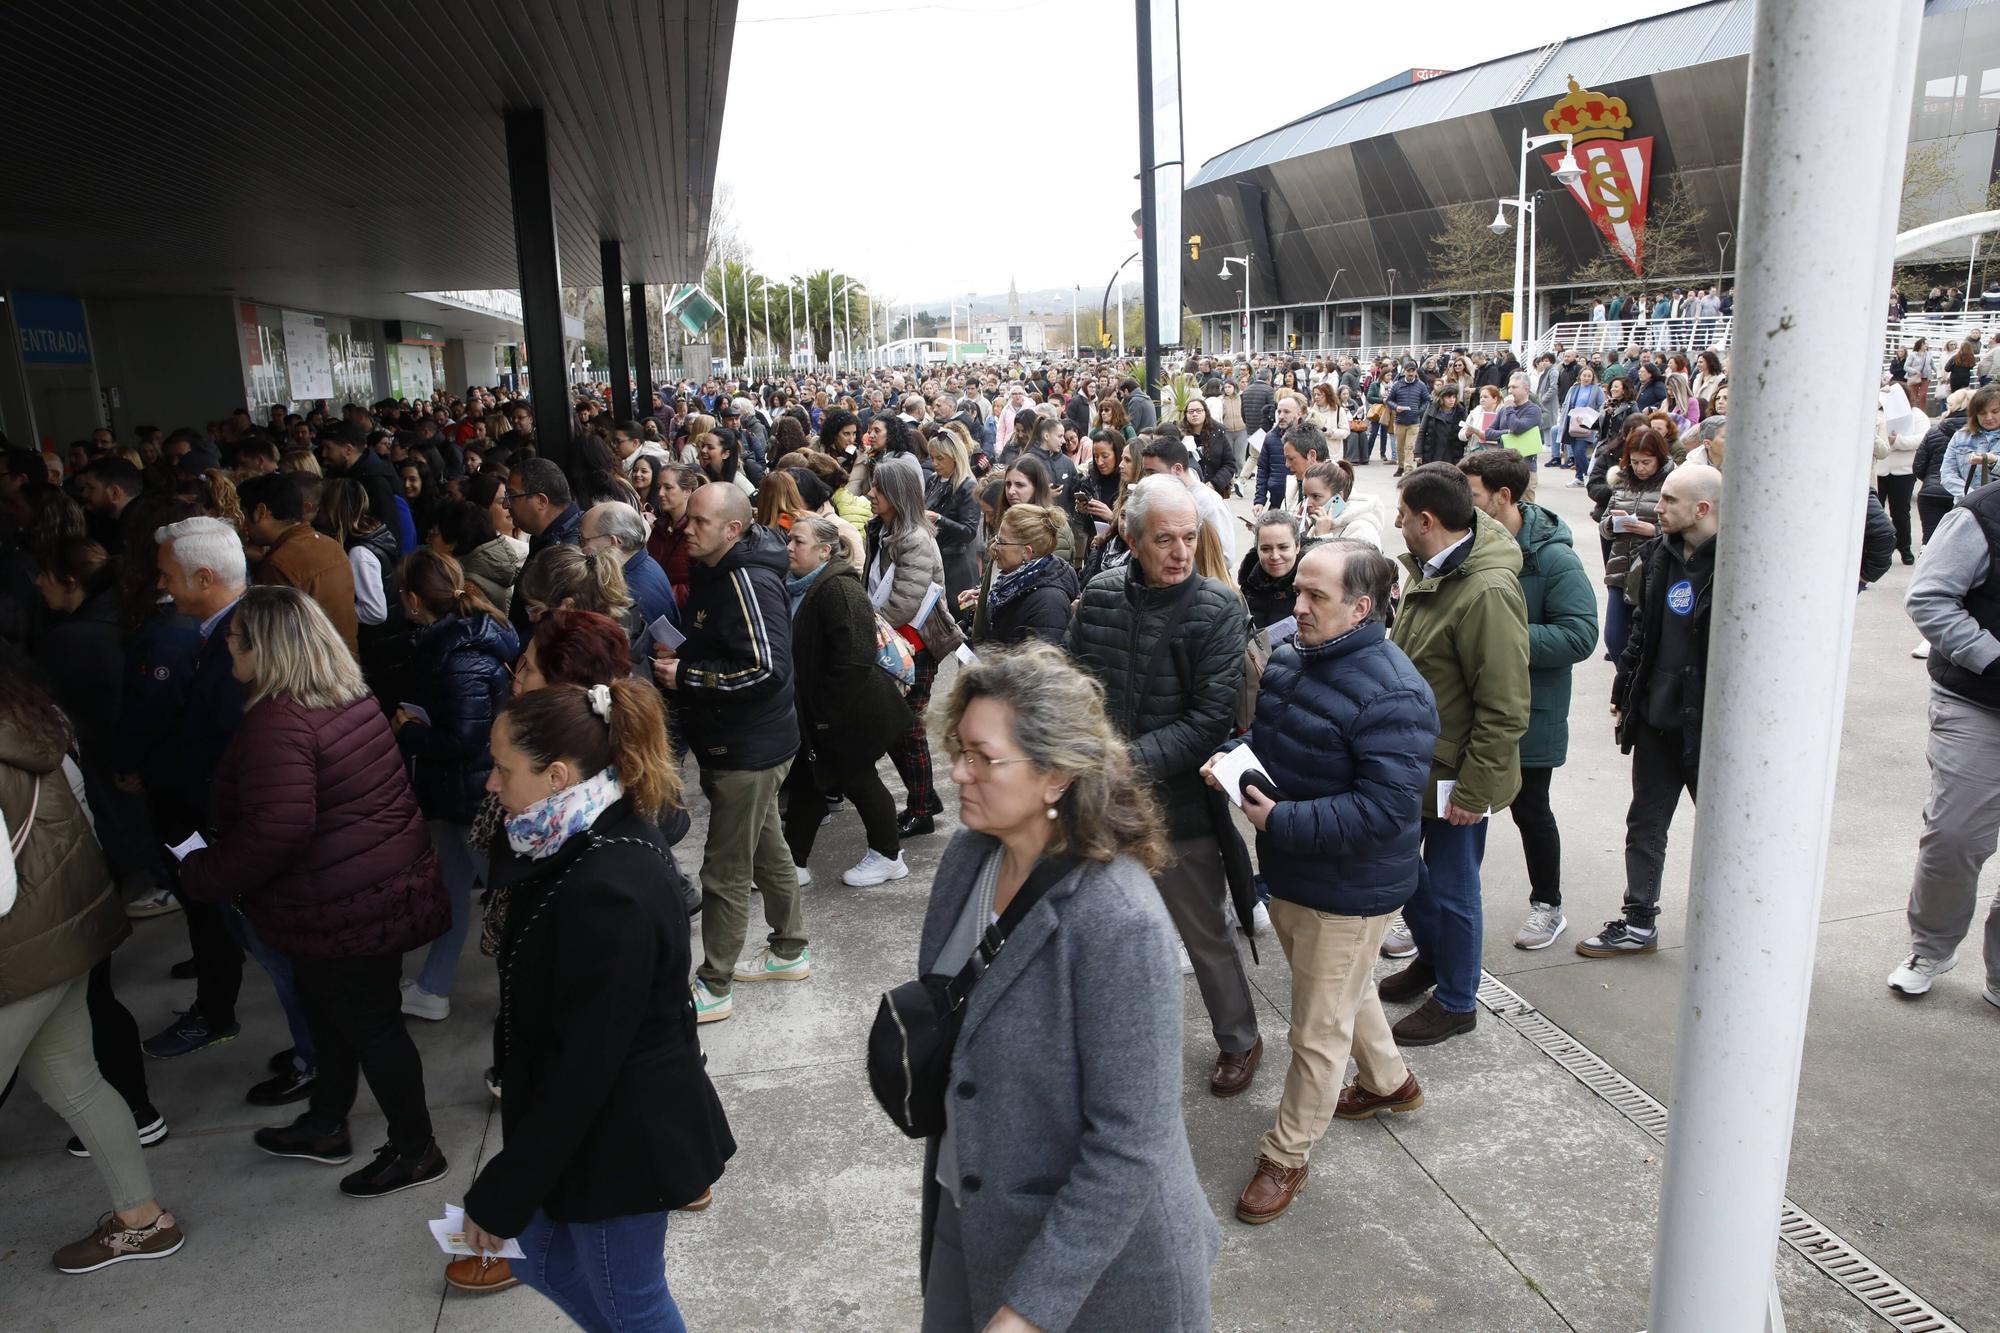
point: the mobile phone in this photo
(1260, 783)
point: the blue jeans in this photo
(608, 1276)
(1617, 624)
(1580, 451)
(279, 969)
(459, 864)
(1445, 915)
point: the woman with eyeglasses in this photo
(1094, 1220)
(1032, 588)
(848, 708)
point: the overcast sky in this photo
(892, 138)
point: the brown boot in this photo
(480, 1274)
(1357, 1103)
(1432, 1023)
(1270, 1191)
(1234, 1070)
(1407, 984)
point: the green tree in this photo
(1467, 256)
(1678, 244)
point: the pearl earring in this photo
(1052, 812)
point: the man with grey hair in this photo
(174, 756)
(1338, 844)
(1167, 645)
(1518, 426)
(615, 525)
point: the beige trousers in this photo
(1334, 1010)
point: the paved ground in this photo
(1516, 1200)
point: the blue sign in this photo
(52, 329)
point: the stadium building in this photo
(1338, 211)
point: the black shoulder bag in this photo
(917, 1023)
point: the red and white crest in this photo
(1617, 172)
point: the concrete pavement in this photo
(1515, 1200)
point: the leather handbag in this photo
(917, 1023)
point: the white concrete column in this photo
(1830, 83)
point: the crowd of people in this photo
(349, 688)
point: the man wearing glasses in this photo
(537, 495)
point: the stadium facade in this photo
(1338, 210)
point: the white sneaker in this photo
(874, 868)
(708, 1006)
(420, 1003)
(1922, 650)
(1545, 922)
(1914, 975)
(1398, 943)
(1187, 963)
(1260, 918)
(767, 966)
(149, 905)
(805, 876)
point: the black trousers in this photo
(1896, 493)
(355, 1008)
(1541, 840)
(114, 1040)
(1659, 771)
(1931, 510)
(853, 777)
(218, 960)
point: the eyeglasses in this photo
(981, 765)
(511, 496)
(996, 543)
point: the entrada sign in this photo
(1617, 172)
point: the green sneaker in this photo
(767, 966)
(708, 1006)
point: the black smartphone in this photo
(1261, 783)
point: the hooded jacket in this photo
(1562, 630)
(846, 703)
(494, 566)
(1641, 499)
(1345, 730)
(1364, 519)
(734, 688)
(459, 673)
(67, 917)
(1929, 459)
(1465, 629)
(1679, 582)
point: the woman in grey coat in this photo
(1062, 1194)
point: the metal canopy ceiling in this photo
(335, 155)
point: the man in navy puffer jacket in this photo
(1345, 729)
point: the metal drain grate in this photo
(1819, 1245)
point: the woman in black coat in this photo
(610, 1120)
(1266, 576)
(1208, 441)
(1032, 589)
(849, 708)
(954, 513)
(459, 675)
(1933, 500)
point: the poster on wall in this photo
(307, 358)
(253, 342)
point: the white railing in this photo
(1691, 334)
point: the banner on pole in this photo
(1617, 172)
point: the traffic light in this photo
(1194, 248)
(1104, 340)
(1295, 342)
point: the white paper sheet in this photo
(1281, 630)
(1445, 788)
(1624, 522)
(449, 1232)
(1231, 767)
(195, 842)
(664, 631)
(965, 654)
(925, 607)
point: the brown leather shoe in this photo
(1234, 1070)
(1407, 984)
(1270, 1191)
(699, 1205)
(1357, 1103)
(480, 1274)
(1431, 1024)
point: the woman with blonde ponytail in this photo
(609, 1118)
(458, 678)
(567, 577)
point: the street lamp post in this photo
(1326, 311)
(1568, 172)
(1722, 240)
(1075, 293)
(1392, 311)
(1249, 342)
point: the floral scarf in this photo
(1006, 587)
(540, 831)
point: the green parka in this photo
(1562, 630)
(1466, 632)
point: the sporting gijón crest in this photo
(1617, 171)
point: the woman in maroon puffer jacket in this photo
(318, 838)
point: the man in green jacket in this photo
(1464, 625)
(1562, 631)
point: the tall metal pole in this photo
(1149, 212)
(1810, 284)
(728, 343)
(1520, 238)
(1971, 260)
(1121, 320)
(1249, 334)
(769, 355)
(1075, 293)
(1534, 219)
(642, 355)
